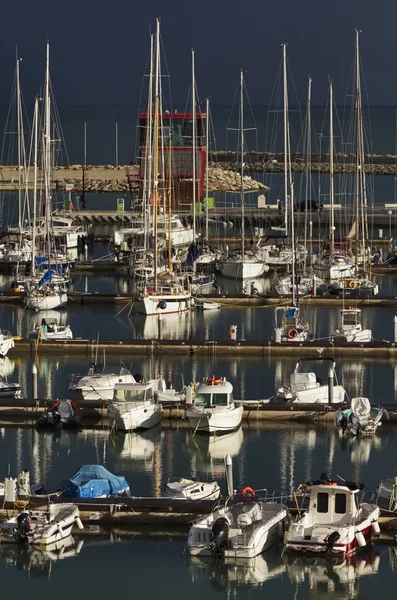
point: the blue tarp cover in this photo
(92, 481)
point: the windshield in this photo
(131, 395)
(350, 318)
(203, 400)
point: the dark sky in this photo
(99, 49)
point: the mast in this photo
(207, 127)
(47, 153)
(331, 166)
(148, 151)
(358, 165)
(156, 151)
(169, 204)
(285, 136)
(36, 125)
(84, 166)
(242, 162)
(20, 134)
(194, 145)
(308, 169)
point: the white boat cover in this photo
(361, 406)
(302, 381)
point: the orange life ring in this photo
(248, 494)
(293, 333)
(331, 483)
(214, 380)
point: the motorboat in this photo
(191, 489)
(202, 305)
(9, 389)
(6, 343)
(134, 406)
(100, 380)
(360, 418)
(354, 288)
(350, 327)
(336, 522)
(93, 481)
(41, 527)
(306, 387)
(386, 494)
(242, 527)
(290, 327)
(213, 409)
(62, 413)
(50, 330)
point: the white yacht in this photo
(45, 298)
(241, 266)
(167, 299)
(100, 381)
(350, 327)
(65, 233)
(191, 489)
(180, 235)
(6, 343)
(213, 409)
(243, 527)
(334, 267)
(134, 406)
(336, 522)
(306, 387)
(41, 527)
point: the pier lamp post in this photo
(389, 212)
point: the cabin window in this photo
(340, 503)
(203, 400)
(322, 502)
(220, 399)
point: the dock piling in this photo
(395, 329)
(229, 474)
(331, 385)
(34, 382)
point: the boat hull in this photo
(241, 269)
(213, 421)
(162, 305)
(46, 302)
(132, 419)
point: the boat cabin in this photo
(99, 369)
(334, 504)
(350, 318)
(137, 393)
(213, 392)
(301, 381)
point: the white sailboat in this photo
(242, 263)
(45, 295)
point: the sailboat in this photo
(242, 263)
(167, 294)
(44, 295)
(290, 328)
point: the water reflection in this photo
(37, 561)
(207, 453)
(135, 447)
(339, 577)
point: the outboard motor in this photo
(220, 535)
(331, 540)
(23, 526)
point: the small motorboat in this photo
(243, 527)
(63, 413)
(336, 522)
(134, 406)
(41, 527)
(290, 327)
(201, 305)
(213, 409)
(9, 389)
(93, 481)
(6, 342)
(350, 327)
(100, 380)
(191, 489)
(50, 330)
(360, 418)
(307, 387)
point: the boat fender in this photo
(79, 523)
(293, 333)
(360, 539)
(162, 304)
(280, 530)
(375, 528)
(248, 494)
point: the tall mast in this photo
(36, 126)
(242, 161)
(207, 128)
(358, 161)
(331, 166)
(285, 136)
(156, 150)
(169, 204)
(47, 153)
(194, 145)
(19, 119)
(84, 165)
(148, 151)
(308, 167)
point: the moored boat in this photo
(360, 417)
(191, 489)
(134, 406)
(93, 481)
(308, 387)
(62, 413)
(213, 409)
